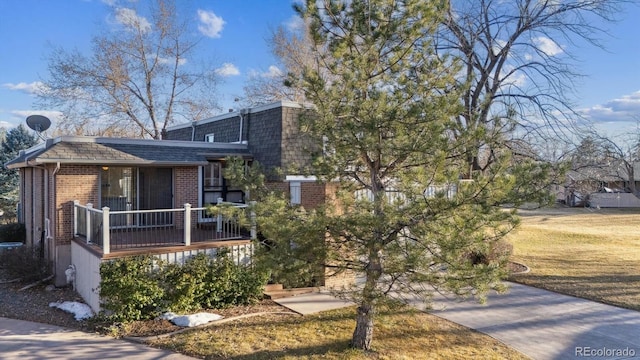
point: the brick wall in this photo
(27, 203)
(73, 182)
(186, 191)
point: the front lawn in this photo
(402, 335)
(589, 253)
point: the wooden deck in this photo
(160, 237)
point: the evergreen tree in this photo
(385, 112)
(15, 140)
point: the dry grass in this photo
(593, 254)
(401, 335)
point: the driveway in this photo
(28, 340)
(549, 326)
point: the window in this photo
(209, 138)
(296, 192)
(213, 174)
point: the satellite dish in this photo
(38, 123)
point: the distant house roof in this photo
(121, 151)
(607, 173)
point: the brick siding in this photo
(186, 191)
(74, 182)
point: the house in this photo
(86, 200)
(604, 186)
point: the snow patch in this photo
(80, 310)
(190, 320)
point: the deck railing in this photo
(115, 230)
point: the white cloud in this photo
(110, 2)
(517, 78)
(497, 46)
(273, 72)
(130, 19)
(210, 24)
(547, 46)
(623, 109)
(29, 88)
(163, 60)
(227, 69)
(54, 116)
(6, 125)
(294, 23)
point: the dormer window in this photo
(209, 138)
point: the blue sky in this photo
(234, 34)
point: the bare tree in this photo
(518, 75)
(614, 158)
(139, 78)
(295, 51)
(519, 71)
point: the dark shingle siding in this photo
(273, 136)
(265, 137)
(225, 130)
(178, 134)
(297, 148)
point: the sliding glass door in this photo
(130, 188)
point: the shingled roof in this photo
(119, 151)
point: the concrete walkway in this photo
(27, 340)
(312, 303)
(540, 324)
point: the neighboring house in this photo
(88, 200)
(595, 186)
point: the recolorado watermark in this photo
(586, 351)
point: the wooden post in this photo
(106, 234)
(187, 224)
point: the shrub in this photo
(498, 252)
(25, 263)
(230, 284)
(141, 287)
(13, 232)
(130, 289)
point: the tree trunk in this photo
(363, 334)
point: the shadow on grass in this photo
(302, 352)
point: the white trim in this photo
(127, 141)
(301, 178)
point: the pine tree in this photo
(15, 140)
(403, 221)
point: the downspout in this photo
(48, 239)
(243, 112)
(241, 123)
(193, 131)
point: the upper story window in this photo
(213, 174)
(209, 138)
(295, 191)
